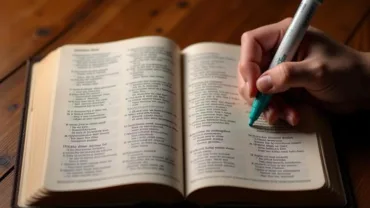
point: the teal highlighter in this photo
(287, 48)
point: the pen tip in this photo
(250, 123)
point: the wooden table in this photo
(31, 28)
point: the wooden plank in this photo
(6, 191)
(164, 21)
(185, 22)
(11, 104)
(226, 20)
(114, 20)
(12, 89)
(336, 18)
(361, 38)
(339, 18)
(26, 26)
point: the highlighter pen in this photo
(287, 49)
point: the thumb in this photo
(285, 76)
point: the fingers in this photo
(287, 112)
(279, 109)
(271, 114)
(256, 50)
(249, 73)
(255, 47)
(287, 75)
(262, 39)
(244, 91)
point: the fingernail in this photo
(264, 83)
(265, 115)
(291, 120)
(270, 116)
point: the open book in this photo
(139, 120)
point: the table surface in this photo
(35, 27)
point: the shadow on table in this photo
(352, 135)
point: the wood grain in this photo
(6, 191)
(114, 20)
(226, 21)
(186, 22)
(12, 89)
(361, 38)
(11, 104)
(27, 26)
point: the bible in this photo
(142, 121)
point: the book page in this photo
(221, 149)
(117, 116)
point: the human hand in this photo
(324, 73)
